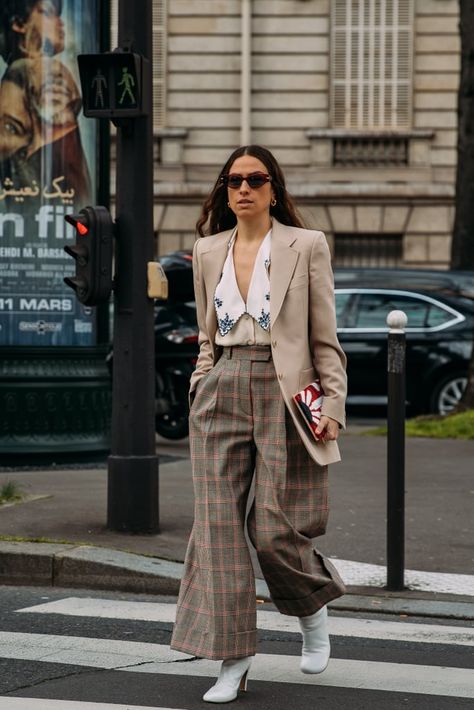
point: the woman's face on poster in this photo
(43, 31)
(15, 121)
(56, 96)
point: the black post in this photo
(133, 464)
(396, 321)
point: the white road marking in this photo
(158, 658)
(47, 704)
(268, 620)
(82, 651)
(342, 673)
(365, 574)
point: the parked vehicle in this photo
(176, 348)
(439, 334)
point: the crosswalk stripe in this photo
(343, 673)
(158, 658)
(47, 704)
(268, 620)
(83, 651)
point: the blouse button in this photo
(274, 343)
(280, 375)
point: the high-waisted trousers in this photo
(239, 425)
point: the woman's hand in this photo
(328, 429)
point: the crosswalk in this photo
(427, 676)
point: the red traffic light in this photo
(76, 222)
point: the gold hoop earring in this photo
(273, 202)
(228, 204)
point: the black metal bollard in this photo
(396, 320)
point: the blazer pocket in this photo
(298, 281)
(306, 378)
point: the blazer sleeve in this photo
(205, 358)
(329, 359)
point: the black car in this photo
(439, 333)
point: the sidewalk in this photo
(70, 513)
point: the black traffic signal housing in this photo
(112, 84)
(93, 252)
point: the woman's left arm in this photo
(329, 359)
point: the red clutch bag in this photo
(310, 401)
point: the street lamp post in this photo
(133, 464)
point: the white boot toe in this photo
(316, 646)
(232, 678)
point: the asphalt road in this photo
(80, 654)
(439, 492)
(439, 495)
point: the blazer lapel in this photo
(213, 259)
(282, 265)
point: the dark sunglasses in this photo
(254, 180)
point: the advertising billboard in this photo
(48, 167)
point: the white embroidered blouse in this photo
(241, 323)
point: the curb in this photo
(85, 566)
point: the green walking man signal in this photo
(112, 84)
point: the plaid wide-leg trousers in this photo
(239, 425)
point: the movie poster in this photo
(48, 154)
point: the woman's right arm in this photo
(205, 358)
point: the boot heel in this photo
(243, 681)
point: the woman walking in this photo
(267, 329)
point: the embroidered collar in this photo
(228, 301)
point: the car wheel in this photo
(448, 393)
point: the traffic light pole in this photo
(132, 504)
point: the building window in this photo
(371, 64)
(379, 250)
(160, 15)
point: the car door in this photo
(364, 337)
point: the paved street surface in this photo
(439, 497)
(87, 650)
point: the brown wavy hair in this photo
(217, 214)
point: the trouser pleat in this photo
(239, 426)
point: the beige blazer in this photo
(302, 322)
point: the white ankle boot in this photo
(232, 678)
(316, 647)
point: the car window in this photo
(342, 305)
(437, 316)
(373, 309)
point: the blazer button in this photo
(280, 375)
(274, 343)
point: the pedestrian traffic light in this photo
(112, 84)
(93, 253)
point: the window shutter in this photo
(160, 15)
(371, 63)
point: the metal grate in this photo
(371, 63)
(368, 250)
(353, 151)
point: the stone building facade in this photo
(356, 98)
